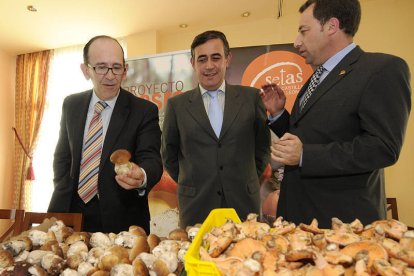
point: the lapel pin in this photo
(343, 72)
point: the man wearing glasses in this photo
(94, 124)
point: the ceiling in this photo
(60, 23)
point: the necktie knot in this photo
(99, 106)
(319, 71)
(212, 94)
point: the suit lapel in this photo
(196, 109)
(231, 108)
(232, 105)
(118, 119)
(295, 109)
(336, 75)
(78, 115)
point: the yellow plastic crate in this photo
(193, 265)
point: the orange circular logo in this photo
(287, 69)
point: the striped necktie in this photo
(215, 114)
(314, 82)
(91, 156)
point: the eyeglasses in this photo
(103, 69)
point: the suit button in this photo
(219, 193)
(221, 168)
(219, 145)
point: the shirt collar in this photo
(221, 88)
(330, 64)
(111, 102)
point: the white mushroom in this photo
(94, 254)
(192, 232)
(99, 239)
(84, 268)
(37, 237)
(122, 270)
(148, 259)
(22, 256)
(77, 248)
(35, 257)
(170, 259)
(15, 247)
(125, 239)
(52, 263)
(69, 272)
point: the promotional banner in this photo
(158, 78)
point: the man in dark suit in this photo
(337, 140)
(115, 201)
(215, 166)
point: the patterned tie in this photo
(215, 114)
(91, 156)
(314, 82)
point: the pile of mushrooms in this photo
(61, 251)
(385, 247)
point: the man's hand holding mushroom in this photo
(129, 175)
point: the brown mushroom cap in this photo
(383, 267)
(140, 245)
(341, 238)
(6, 258)
(153, 240)
(178, 235)
(313, 227)
(160, 268)
(78, 236)
(120, 156)
(137, 230)
(139, 267)
(374, 251)
(100, 273)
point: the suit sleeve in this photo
(147, 152)
(63, 186)
(262, 147)
(281, 125)
(170, 142)
(383, 114)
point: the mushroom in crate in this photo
(121, 159)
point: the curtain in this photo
(65, 78)
(31, 84)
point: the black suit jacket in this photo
(134, 127)
(351, 128)
(208, 168)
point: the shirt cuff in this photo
(273, 119)
(142, 189)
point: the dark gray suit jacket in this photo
(134, 127)
(351, 128)
(206, 167)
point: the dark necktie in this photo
(91, 156)
(314, 82)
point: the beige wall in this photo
(141, 43)
(7, 77)
(386, 26)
